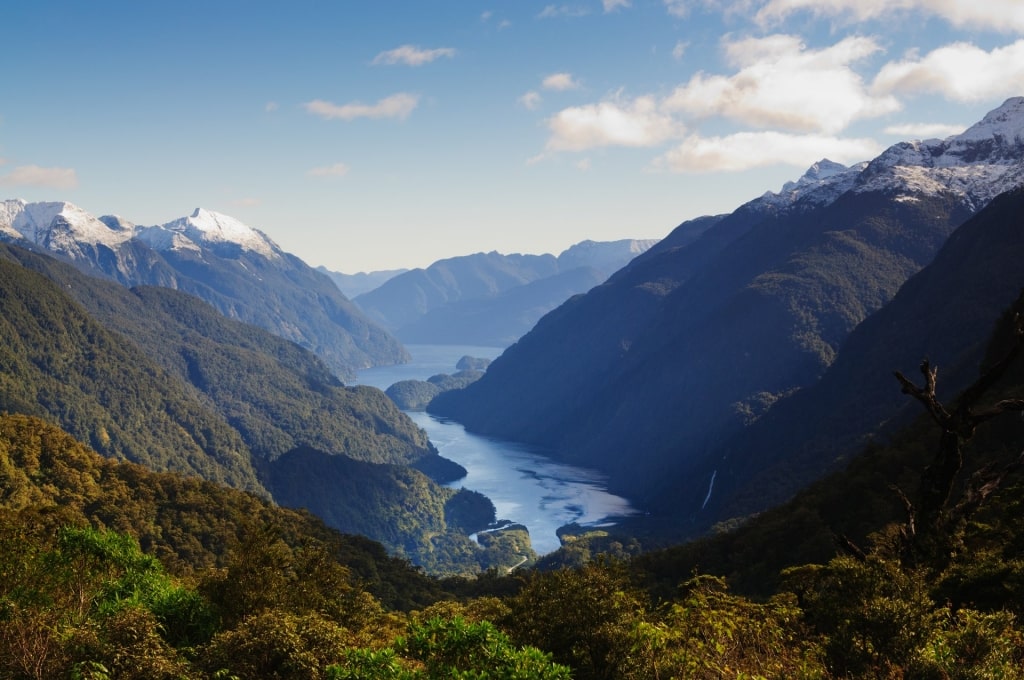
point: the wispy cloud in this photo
(271, 106)
(502, 23)
(335, 170)
(638, 123)
(247, 202)
(960, 71)
(747, 150)
(679, 51)
(411, 55)
(780, 83)
(924, 130)
(560, 82)
(555, 11)
(36, 176)
(998, 15)
(612, 5)
(396, 106)
(678, 8)
(531, 100)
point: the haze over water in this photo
(525, 486)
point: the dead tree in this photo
(958, 424)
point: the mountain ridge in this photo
(491, 298)
(234, 267)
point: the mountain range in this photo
(237, 269)
(490, 299)
(655, 376)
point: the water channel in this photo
(526, 486)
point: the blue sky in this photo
(381, 134)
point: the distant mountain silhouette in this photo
(489, 298)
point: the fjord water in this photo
(525, 486)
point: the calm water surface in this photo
(525, 485)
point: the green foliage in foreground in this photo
(449, 648)
(110, 571)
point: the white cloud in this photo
(746, 150)
(553, 11)
(779, 83)
(958, 71)
(610, 123)
(583, 164)
(560, 81)
(999, 15)
(336, 170)
(271, 106)
(411, 55)
(531, 100)
(396, 106)
(679, 51)
(612, 5)
(678, 8)
(924, 130)
(36, 176)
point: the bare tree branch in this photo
(958, 427)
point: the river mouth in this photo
(526, 486)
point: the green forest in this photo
(906, 565)
(160, 378)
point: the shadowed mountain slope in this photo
(646, 376)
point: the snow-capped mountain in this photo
(980, 163)
(823, 183)
(59, 227)
(231, 265)
(205, 228)
(976, 165)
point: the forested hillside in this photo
(168, 382)
(945, 313)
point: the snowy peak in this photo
(1005, 124)
(65, 228)
(822, 172)
(823, 182)
(208, 228)
(58, 226)
(976, 165)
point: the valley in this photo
(526, 486)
